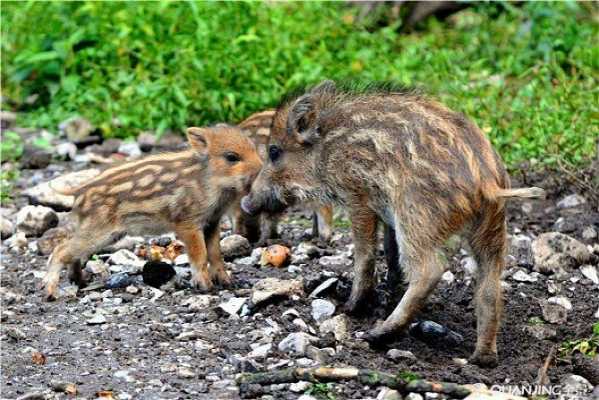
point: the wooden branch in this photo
(364, 376)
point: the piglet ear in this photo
(198, 139)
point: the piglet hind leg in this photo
(217, 270)
(364, 229)
(423, 269)
(488, 243)
(193, 238)
(71, 253)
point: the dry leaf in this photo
(38, 358)
(275, 255)
(105, 395)
(174, 250)
(156, 252)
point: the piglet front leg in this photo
(193, 238)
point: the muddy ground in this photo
(139, 352)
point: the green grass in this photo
(588, 346)
(527, 75)
(322, 391)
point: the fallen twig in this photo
(365, 376)
(542, 376)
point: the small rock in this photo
(589, 233)
(7, 228)
(396, 355)
(459, 361)
(132, 289)
(260, 351)
(52, 238)
(415, 396)
(35, 158)
(97, 267)
(337, 325)
(322, 309)
(434, 333)
(182, 259)
(308, 249)
(63, 387)
(235, 246)
(576, 385)
(117, 281)
(233, 305)
(267, 288)
(521, 248)
(552, 251)
(199, 302)
(157, 273)
(590, 272)
(573, 200)
(521, 276)
(15, 333)
(17, 242)
(146, 141)
(77, 129)
(324, 287)
(299, 387)
(541, 332)
(562, 301)
(35, 220)
(131, 149)
(185, 373)
(469, 266)
(565, 225)
(96, 320)
(66, 151)
(448, 277)
(126, 257)
(296, 343)
(554, 313)
(388, 394)
(334, 260)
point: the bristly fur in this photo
(354, 88)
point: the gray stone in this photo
(554, 313)
(17, 242)
(323, 287)
(590, 272)
(448, 277)
(307, 249)
(589, 233)
(299, 387)
(337, 325)
(235, 246)
(35, 158)
(233, 305)
(576, 385)
(521, 276)
(296, 343)
(322, 309)
(573, 200)
(469, 266)
(541, 332)
(77, 129)
(267, 288)
(131, 149)
(415, 396)
(146, 141)
(565, 225)
(562, 301)
(199, 302)
(260, 351)
(554, 251)
(7, 228)
(96, 320)
(334, 260)
(521, 249)
(388, 394)
(396, 355)
(66, 151)
(35, 220)
(127, 258)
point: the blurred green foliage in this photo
(527, 75)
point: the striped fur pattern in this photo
(265, 225)
(401, 158)
(186, 192)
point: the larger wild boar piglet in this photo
(186, 192)
(410, 162)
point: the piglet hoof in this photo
(202, 285)
(359, 306)
(378, 338)
(484, 359)
(223, 279)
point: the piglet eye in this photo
(232, 157)
(274, 152)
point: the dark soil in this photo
(142, 338)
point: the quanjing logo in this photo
(550, 391)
